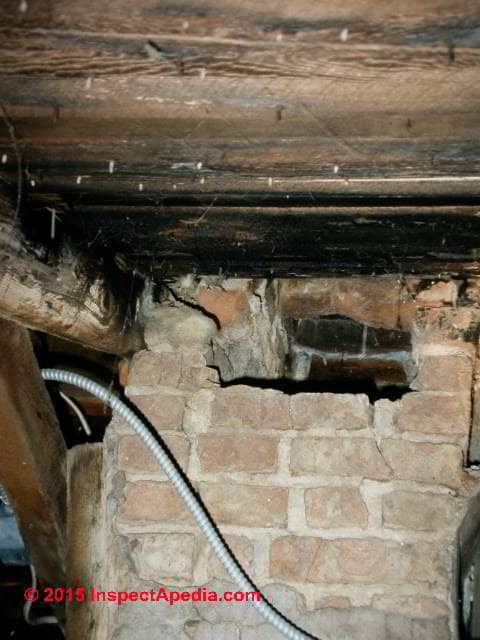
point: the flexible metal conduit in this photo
(201, 517)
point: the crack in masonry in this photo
(379, 449)
(314, 560)
(192, 305)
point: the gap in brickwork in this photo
(338, 349)
(291, 387)
(337, 354)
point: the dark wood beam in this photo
(32, 455)
(272, 241)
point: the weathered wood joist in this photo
(250, 138)
(217, 97)
(58, 295)
(32, 454)
(272, 241)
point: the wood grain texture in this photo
(275, 242)
(32, 455)
(203, 103)
(352, 141)
(84, 528)
(57, 296)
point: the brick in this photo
(333, 602)
(152, 502)
(430, 412)
(171, 328)
(418, 511)
(431, 629)
(241, 406)
(330, 410)
(226, 306)
(164, 556)
(331, 507)
(248, 506)
(202, 377)
(415, 607)
(363, 561)
(163, 410)
(200, 630)
(439, 294)
(447, 324)
(242, 549)
(152, 369)
(444, 373)
(338, 457)
(134, 457)
(424, 462)
(370, 300)
(240, 452)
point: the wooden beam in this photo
(32, 455)
(364, 98)
(401, 133)
(195, 136)
(84, 527)
(271, 241)
(58, 296)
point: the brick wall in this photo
(344, 513)
(351, 508)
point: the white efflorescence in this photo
(111, 166)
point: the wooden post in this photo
(32, 454)
(84, 529)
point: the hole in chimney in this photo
(337, 354)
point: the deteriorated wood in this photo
(270, 241)
(80, 54)
(57, 297)
(84, 554)
(431, 22)
(268, 145)
(178, 109)
(32, 455)
(386, 93)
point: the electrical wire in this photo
(28, 606)
(78, 413)
(182, 487)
